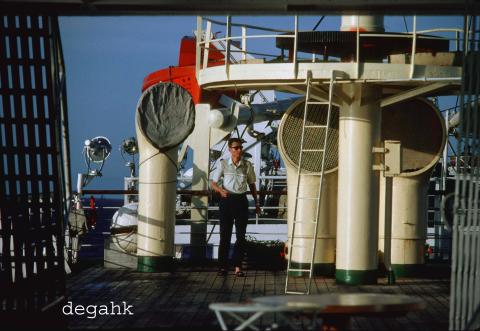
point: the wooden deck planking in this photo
(198, 303)
(434, 317)
(181, 299)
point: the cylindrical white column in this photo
(409, 228)
(409, 217)
(324, 258)
(156, 206)
(357, 227)
(289, 141)
(365, 23)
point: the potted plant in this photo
(265, 254)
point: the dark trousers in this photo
(234, 207)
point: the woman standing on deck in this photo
(238, 176)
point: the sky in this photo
(107, 59)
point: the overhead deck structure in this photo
(158, 7)
(396, 80)
(378, 70)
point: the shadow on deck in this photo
(179, 300)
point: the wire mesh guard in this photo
(291, 135)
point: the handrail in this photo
(251, 37)
(293, 57)
(440, 30)
(255, 27)
(243, 53)
(180, 192)
(229, 38)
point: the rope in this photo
(169, 158)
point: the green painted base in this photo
(155, 263)
(319, 269)
(408, 270)
(356, 277)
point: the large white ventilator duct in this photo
(165, 117)
(420, 128)
(289, 140)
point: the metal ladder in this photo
(292, 246)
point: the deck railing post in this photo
(295, 47)
(227, 46)
(208, 31)
(414, 47)
(457, 41)
(198, 48)
(244, 43)
(357, 49)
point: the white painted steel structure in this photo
(409, 191)
(156, 208)
(363, 88)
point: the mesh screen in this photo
(291, 135)
(419, 127)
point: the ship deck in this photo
(179, 300)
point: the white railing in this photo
(204, 45)
(205, 39)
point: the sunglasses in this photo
(236, 147)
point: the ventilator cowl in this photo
(166, 115)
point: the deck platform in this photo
(179, 300)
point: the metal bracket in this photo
(393, 158)
(376, 150)
(392, 155)
(378, 167)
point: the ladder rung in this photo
(299, 270)
(315, 126)
(304, 222)
(305, 198)
(299, 246)
(295, 292)
(317, 102)
(313, 150)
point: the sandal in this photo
(222, 272)
(239, 273)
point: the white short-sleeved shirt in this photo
(235, 178)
